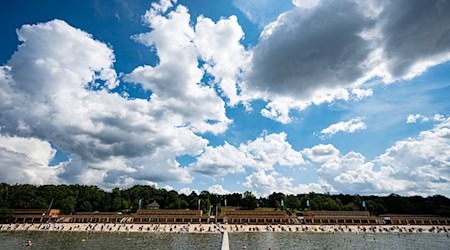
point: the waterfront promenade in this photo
(220, 228)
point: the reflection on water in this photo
(110, 241)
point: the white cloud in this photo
(188, 191)
(112, 140)
(39, 151)
(263, 153)
(413, 118)
(322, 153)
(218, 189)
(263, 184)
(57, 89)
(306, 4)
(26, 160)
(220, 161)
(362, 93)
(418, 165)
(219, 45)
(168, 187)
(175, 82)
(350, 126)
(438, 118)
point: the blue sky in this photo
(227, 96)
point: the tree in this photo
(5, 214)
(350, 207)
(249, 201)
(275, 200)
(293, 201)
(86, 206)
(67, 205)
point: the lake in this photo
(279, 240)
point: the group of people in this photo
(218, 228)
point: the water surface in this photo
(266, 240)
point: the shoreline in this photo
(218, 228)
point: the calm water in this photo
(110, 241)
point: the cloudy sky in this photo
(294, 96)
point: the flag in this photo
(282, 202)
(364, 204)
(225, 202)
(307, 203)
(140, 203)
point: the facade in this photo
(161, 216)
(340, 218)
(256, 217)
(35, 215)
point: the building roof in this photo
(153, 204)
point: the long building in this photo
(339, 217)
(35, 215)
(161, 216)
(255, 217)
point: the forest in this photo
(82, 198)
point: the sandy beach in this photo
(219, 228)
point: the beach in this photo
(219, 228)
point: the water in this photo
(284, 240)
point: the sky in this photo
(227, 96)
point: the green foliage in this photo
(73, 198)
(350, 207)
(5, 214)
(249, 201)
(67, 205)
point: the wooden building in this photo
(168, 216)
(153, 205)
(255, 217)
(339, 218)
(35, 215)
(405, 219)
(161, 216)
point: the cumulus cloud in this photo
(264, 183)
(323, 51)
(188, 191)
(57, 89)
(218, 189)
(175, 82)
(220, 161)
(294, 65)
(418, 165)
(306, 4)
(26, 160)
(219, 46)
(350, 126)
(321, 153)
(361, 93)
(263, 153)
(414, 118)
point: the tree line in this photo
(82, 198)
